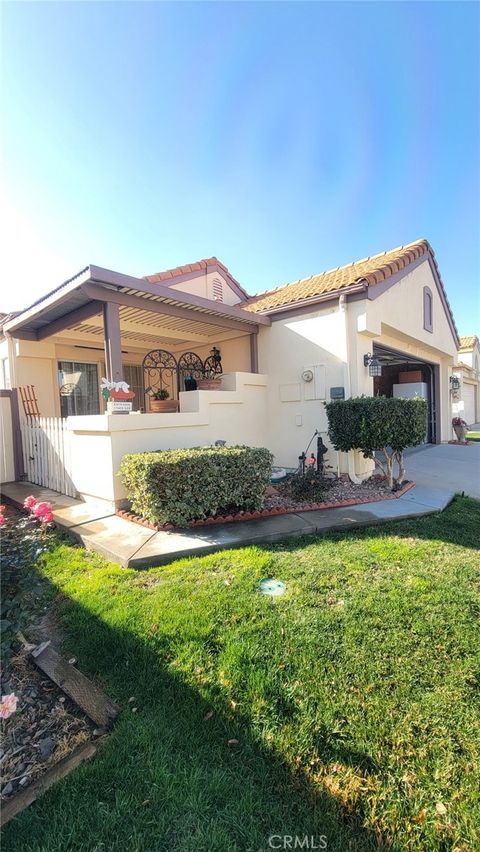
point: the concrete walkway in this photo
(93, 525)
(450, 466)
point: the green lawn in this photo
(354, 698)
(473, 436)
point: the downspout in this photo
(342, 307)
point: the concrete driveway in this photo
(446, 466)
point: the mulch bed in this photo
(45, 728)
(48, 734)
(342, 492)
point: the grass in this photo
(473, 436)
(347, 708)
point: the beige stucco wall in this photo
(7, 466)
(203, 286)
(315, 342)
(395, 319)
(237, 414)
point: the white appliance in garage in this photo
(410, 389)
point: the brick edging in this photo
(264, 513)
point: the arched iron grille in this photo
(160, 371)
(163, 371)
(190, 365)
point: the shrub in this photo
(378, 424)
(176, 486)
(310, 486)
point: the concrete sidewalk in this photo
(93, 525)
(451, 466)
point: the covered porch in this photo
(105, 324)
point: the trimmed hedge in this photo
(177, 486)
(378, 424)
(369, 423)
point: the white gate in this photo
(46, 453)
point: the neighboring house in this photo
(284, 352)
(466, 398)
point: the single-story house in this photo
(379, 325)
(466, 393)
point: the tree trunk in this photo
(389, 461)
(401, 469)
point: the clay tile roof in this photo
(468, 343)
(371, 270)
(168, 274)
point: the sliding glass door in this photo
(79, 388)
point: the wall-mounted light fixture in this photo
(373, 364)
(215, 353)
(454, 383)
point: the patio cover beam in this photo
(254, 353)
(94, 291)
(118, 279)
(72, 318)
(113, 348)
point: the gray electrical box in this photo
(337, 393)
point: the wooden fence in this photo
(46, 453)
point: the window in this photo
(79, 388)
(5, 374)
(427, 309)
(133, 375)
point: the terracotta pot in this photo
(209, 384)
(163, 405)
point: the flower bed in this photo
(342, 492)
(44, 727)
(40, 725)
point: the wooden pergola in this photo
(104, 304)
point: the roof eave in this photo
(331, 295)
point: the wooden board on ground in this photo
(101, 709)
(23, 799)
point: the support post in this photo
(254, 353)
(113, 349)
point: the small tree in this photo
(378, 424)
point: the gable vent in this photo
(217, 288)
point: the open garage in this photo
(408, 376)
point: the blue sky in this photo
(284, 138)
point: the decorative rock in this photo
(8, 789)
(46, 747)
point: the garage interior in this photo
(405, 375)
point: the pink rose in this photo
(29, 502)
(47, 518)
(41, 509)
(2, 520)
(2, 509)
(8, 705)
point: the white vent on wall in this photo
(217, 288)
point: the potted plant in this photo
(208, 382)
(460, 428)
(160, 402)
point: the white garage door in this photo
(469, 401)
